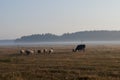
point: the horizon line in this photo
(61, 34)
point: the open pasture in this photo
(98, 62)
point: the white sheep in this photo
(22, 51)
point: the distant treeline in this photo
(77, 36)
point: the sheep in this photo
(39, 51)
(22, 51)
(29, 51)
(45, 50)
(51, 50)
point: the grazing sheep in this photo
(45, 50)
(35, 52)
(39, 51)
(29, 51)
(51, 50)
(22, 51)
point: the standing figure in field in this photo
(51, 50)
(80, 47)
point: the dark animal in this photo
(40, 51)
(29, 52)
(79, 48)
(45, 50)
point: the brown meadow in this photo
(98, 62)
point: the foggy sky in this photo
(26, 17)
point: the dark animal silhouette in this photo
(80, 47)
(39, 51)
(28, 52)
(45, 50)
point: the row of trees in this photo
(77, 36)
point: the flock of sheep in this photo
(30, 51)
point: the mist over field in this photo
(84, 37)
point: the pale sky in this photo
(26, 17)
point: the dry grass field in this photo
(100, 62)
